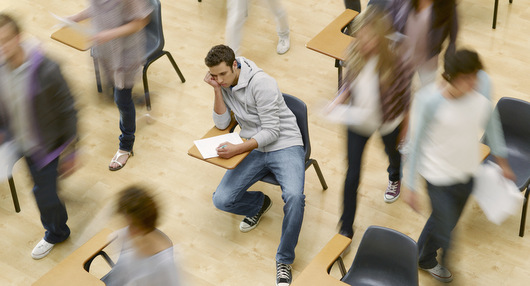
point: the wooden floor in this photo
(210, 248)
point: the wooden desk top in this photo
(331, 41)
(484, 151)
(316, 273)
(230, 163)
(72, 38)
(70, 271)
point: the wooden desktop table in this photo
(332, 42)
(72, 38)
(316, 273)
(70, 271)
(230, 163)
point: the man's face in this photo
(9, 42)
(224, 75)
(465, 82)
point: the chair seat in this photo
(269, 178)
(384, 257)
(520, 164)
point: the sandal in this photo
(118, 154)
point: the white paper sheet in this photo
(208, 146)
(74, 25)
(497, 196)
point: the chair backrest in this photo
(299, 109)
(385, 257)
(153, 30)
(515, 120)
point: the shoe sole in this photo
(389, 201)
(256, 225)
(439, 278)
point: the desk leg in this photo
(494, 25)
(339, 70)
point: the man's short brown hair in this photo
(219, 54)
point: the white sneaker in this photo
(284, 43)
(440, 273)
(42, 249)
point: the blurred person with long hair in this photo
(119, 46)
(445, 151)
(146, 256)
(377, 85)
(37, 113)
(426, 25)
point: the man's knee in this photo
(294, 198)
(221, 202)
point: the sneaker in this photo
(283, 274)
(440, 273)
(250, 223)
(42, 249)
(284, 43)
(392, 191)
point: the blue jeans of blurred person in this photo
(123, 99)
(288, 167)
(356, 144)
(52, 211)
(447, 204)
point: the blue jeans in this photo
(123, 99)
(52, 211)
(447, 204)
(356, 145)
(288, 167)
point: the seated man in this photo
(275, 143)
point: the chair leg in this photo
(14, 194)
(342, 268)
(319, 173)
(523, 214)
(338, 65)
(146, 84)
(170, 57)
(146, 87)
(98, 77)
(87, 264)
(495, 14)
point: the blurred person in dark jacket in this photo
(37, 114)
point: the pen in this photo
(222, 146)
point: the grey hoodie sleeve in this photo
(222, 121)
(266, 94)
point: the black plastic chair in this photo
(154, 50)
(515, 120)
(299, 109)
(495, 8)
(385, 257)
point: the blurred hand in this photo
(211, 81)
(68, 165)
(102, 37)
(507, 171)
(227, 150)
(411, 198)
